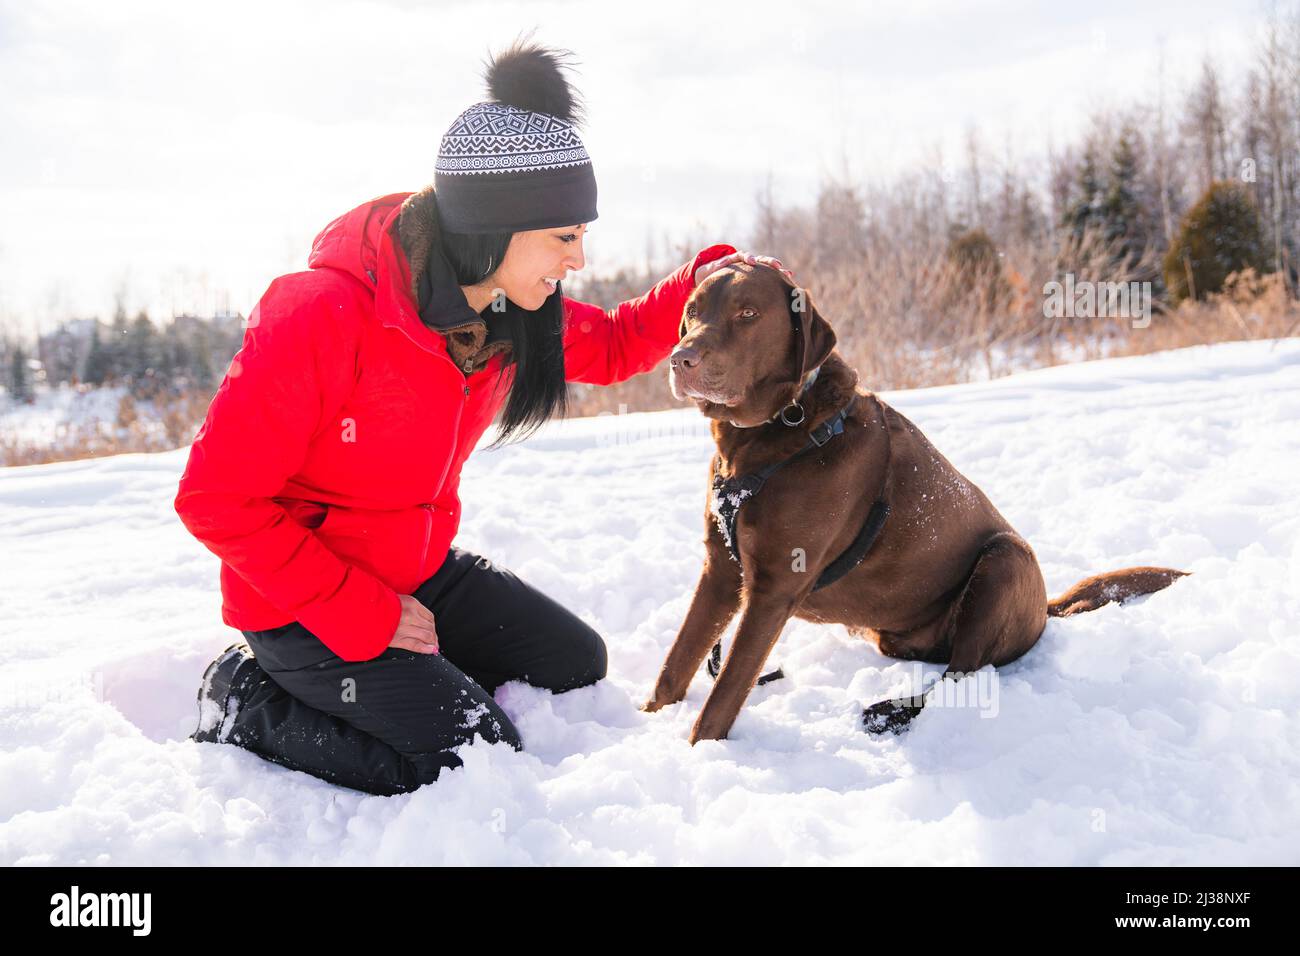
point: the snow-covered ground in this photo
(1164, 732)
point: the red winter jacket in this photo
(327, 470)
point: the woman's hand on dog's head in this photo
(709, 268)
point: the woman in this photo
(326, 474)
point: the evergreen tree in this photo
(1123, 217)
(1220, 235)
(1085, 210)
(98, 360)
(142, 355)
(200, 364)
(1030, 221)
(977, 273)
(116, 361)
(20, 386)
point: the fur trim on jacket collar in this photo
(470, 338)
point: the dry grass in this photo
(904, 319)
(1250, 307)
(167, 422)
(908, 316)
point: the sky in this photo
(182, 155)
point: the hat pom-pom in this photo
(528, 76)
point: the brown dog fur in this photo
(947, 581)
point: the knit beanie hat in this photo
(515, 162)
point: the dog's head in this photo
(748, 335)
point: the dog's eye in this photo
(690, 310)
(748, 313)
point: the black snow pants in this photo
(389, 725)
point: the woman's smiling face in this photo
(535, 257)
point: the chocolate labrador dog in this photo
(828, 505)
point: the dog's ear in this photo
(821, 337)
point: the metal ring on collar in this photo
(798, 421)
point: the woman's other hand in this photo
(710, 267)
(415, 630)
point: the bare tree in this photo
(1205, 128)
(1161, 156)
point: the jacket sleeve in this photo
(288, 382)
(603, 347)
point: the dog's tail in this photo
(1101, 589)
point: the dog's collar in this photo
(789, 420)
(781, 414)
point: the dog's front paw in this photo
(710, 725)
(663, 695)
(889, 716)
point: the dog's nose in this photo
(684, 357)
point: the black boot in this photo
(226, 683)
(241, 704)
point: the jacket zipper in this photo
(428, 508)
(428, 533)
(455, 434)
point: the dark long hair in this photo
(538, 392)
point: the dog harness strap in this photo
(715, 667)
(730, 493)
(853, 556)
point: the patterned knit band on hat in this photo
(515, 162)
